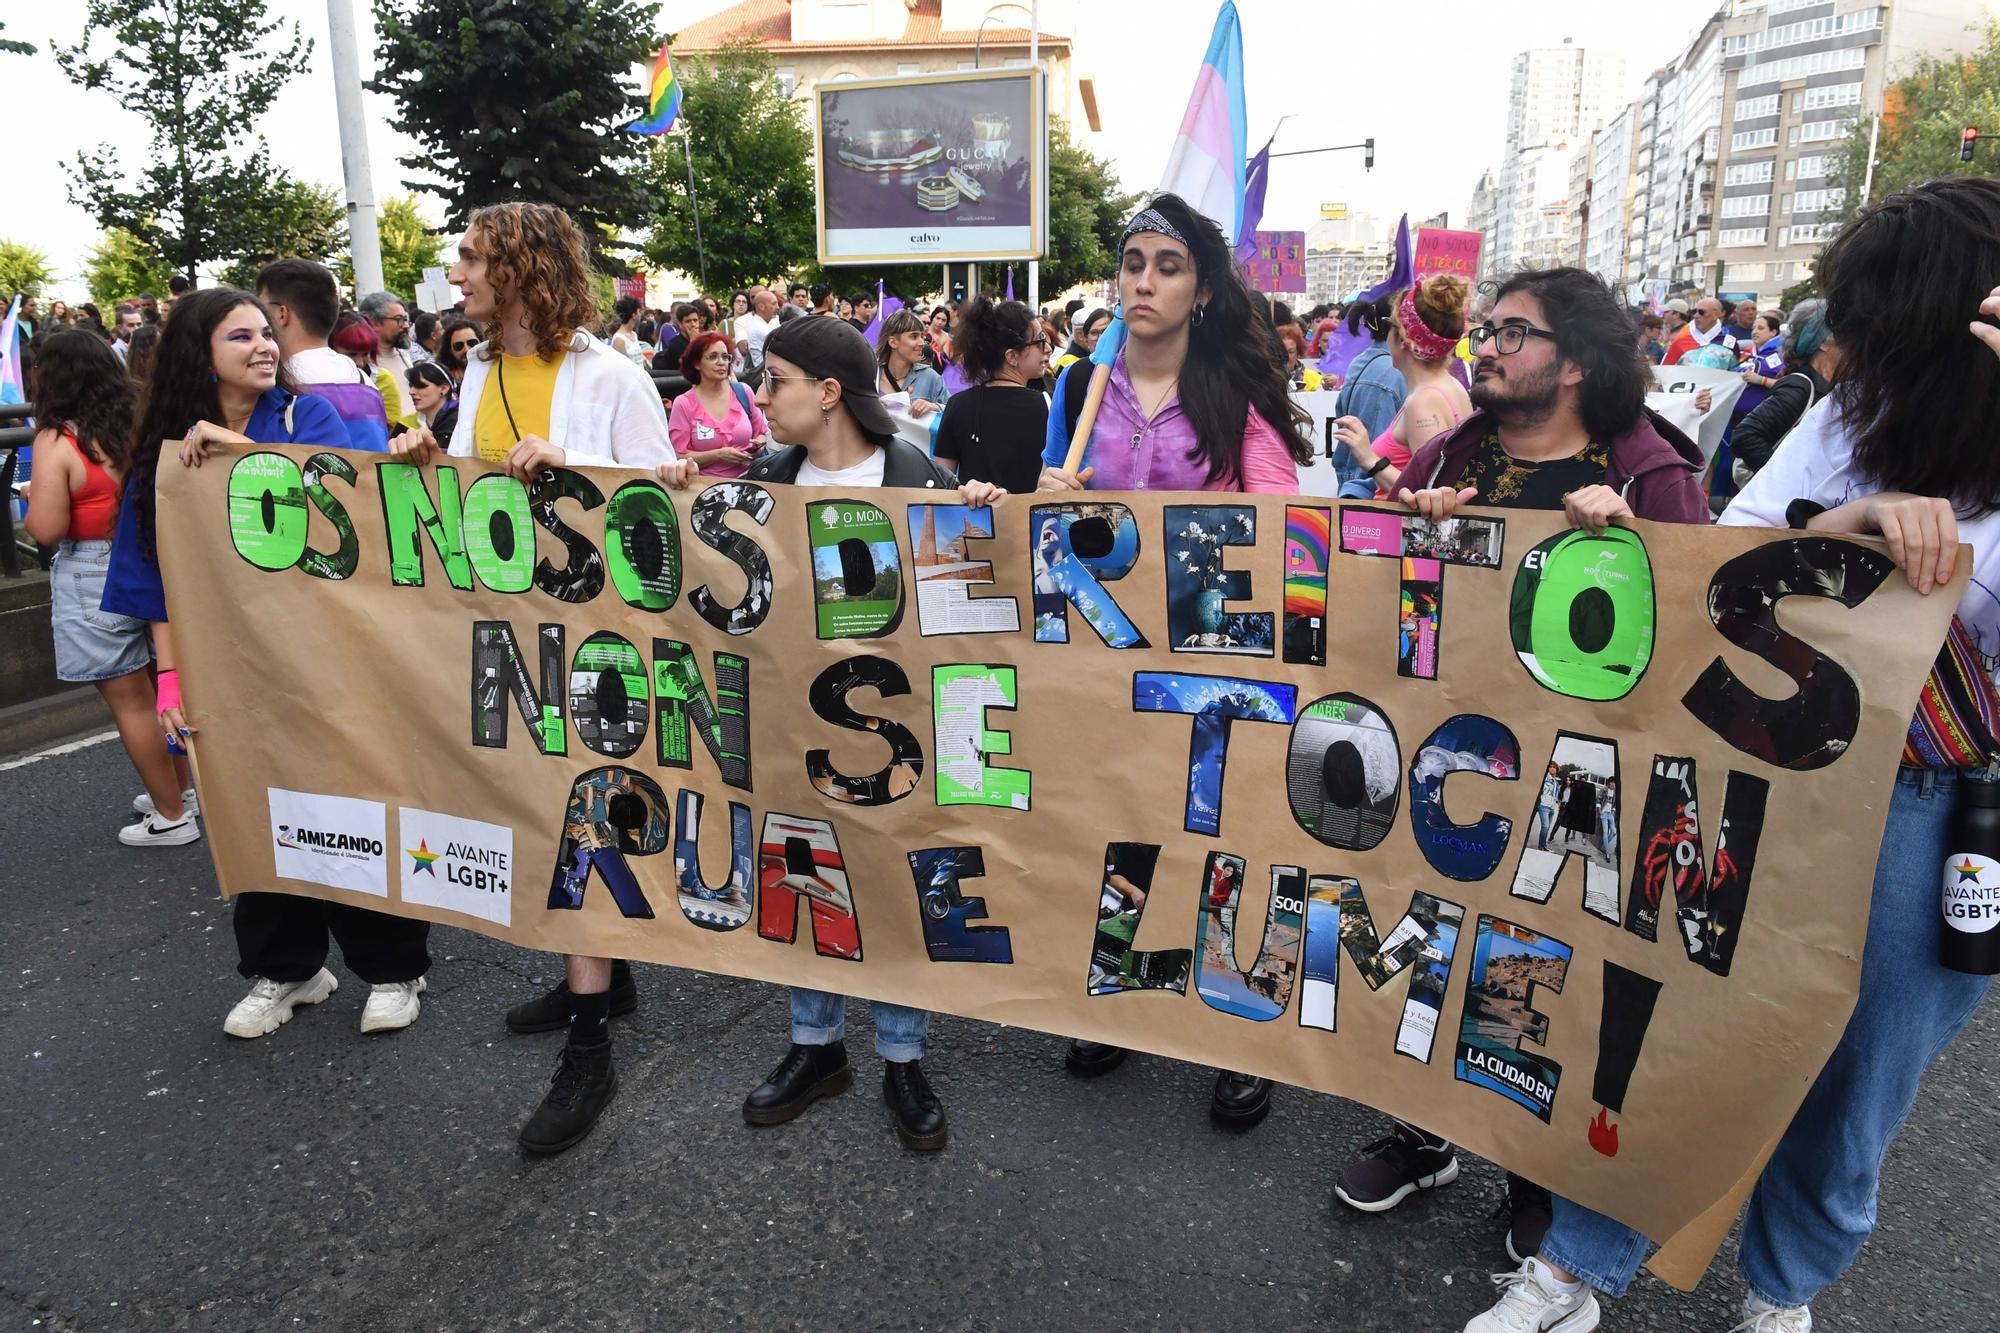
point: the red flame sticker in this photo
(1604, 1134)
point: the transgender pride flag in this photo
(1207, 162)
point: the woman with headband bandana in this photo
(1197, 399)
(1427, 322)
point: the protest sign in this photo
(1278, 264)
(1557, 845)
(933, 167)
(1673, 396)
(1454, 252)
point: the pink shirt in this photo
(691, 428)
(1131, 453)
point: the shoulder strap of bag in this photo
(742, 398)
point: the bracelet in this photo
(169, 691)
(1380, 463)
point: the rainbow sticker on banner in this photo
(664, 99)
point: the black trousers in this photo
(284, 937)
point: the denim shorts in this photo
(92, 644)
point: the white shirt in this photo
(323, 365)
(868, 472)
(1816, 462)
(753, 329)
(604, 412)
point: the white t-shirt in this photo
(868, 472)
(752, 329)
(1815, 462)
(323, 365)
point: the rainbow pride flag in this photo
(664, 101)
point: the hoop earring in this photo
(1194, 320)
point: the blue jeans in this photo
(1814, 1206)
(820, 1019)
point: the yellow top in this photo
(526, 385)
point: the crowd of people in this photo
(1870, 416)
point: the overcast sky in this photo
(1434, 98)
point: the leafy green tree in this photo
(520, 99)
(753, 175)
(198, 72)
(1925, 113)
(121, 266)
(299, 219)
(409, 246)
(24, 270)
(11, 47)
(1087, 214)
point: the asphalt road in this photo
(155, 1174)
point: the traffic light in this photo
(1968, 143)
(1368, 160)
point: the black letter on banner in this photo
(582, 577)
(613, 813)
(497, 669)
(1261, 991)
(828, 697)
(1076, 549)
(1214, 702)
(723, 722)
(945, 911)
(711, 508)
(1576, 814)
(1344, 772)
(1710, 907)
(1199, 588)
(1582, 613)
(407, 510)
(1468, 743)
(342, 562)
(642, 544)
(1114, 964)
(1338, 918)
(1424, 548)
(1812, 728)
(1308, 539)
(1508, 963)
(728, 907)
(801, 858)
(608, 694)
(1628, 1011)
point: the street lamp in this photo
(1034, 34)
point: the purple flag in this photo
(884, 307)
(1010, 282)
(1253, 202)
(1341, 346)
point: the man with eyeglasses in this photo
(391, 318)
(1560, 422)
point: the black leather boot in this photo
(806, 1074)
(1241, 1102)
(549, 1011)
(919, 1114)
(1088, 1059)
(584, 1085)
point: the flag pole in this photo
(1086, 420)
(701, 255)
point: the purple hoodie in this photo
(1654, 467)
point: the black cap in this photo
(827, 347)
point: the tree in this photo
(753, 175)
(11, 47)
(24, 270)
(122, 266)
(198, 72)
(1924, 114)
(1087, 214)
(519, 99)
(299, 220)
(409, 246)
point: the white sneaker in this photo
(142, 804)
(1760, 1316)
(1532, 1301)
(153, 831)
(269, 1004)
(393, 1005)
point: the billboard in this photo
(1333, 212)
(932, 167)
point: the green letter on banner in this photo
(642, 546)
(267, 510)
(407, 507)
(1582, 613)
(500, 533)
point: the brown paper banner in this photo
(1559, 846)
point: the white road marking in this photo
(57, 751)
